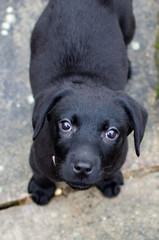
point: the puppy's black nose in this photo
(83, 168)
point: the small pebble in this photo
(1, 168)
(30, 99)
(9, 10)
(18, 105)
(6, 25)
(10, 18)
(58, 192)
(4, 32)
(54, 214)
(135, 46)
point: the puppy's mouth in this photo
(79, 186)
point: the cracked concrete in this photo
(134, 214)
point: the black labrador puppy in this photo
(82, 117)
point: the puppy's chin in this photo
(78, 186)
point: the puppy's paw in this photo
(111, 188)
(40, 195)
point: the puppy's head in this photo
(89, 128)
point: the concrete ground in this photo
(134, 214)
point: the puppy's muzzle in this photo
(82, 168)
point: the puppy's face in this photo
(89, 130)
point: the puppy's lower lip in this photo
(79, 186)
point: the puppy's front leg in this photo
(41, 188)
(111, 187)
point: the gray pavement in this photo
(134, 214)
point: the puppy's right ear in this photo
(44, 102)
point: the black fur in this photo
(78, 71)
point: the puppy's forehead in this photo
(95, 105)
(89, 96)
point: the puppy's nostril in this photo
(88, 170)
(77, 168)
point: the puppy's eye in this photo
(65, 126)
(112, 134)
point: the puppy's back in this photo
(78, 37)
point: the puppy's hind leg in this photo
(111, 187)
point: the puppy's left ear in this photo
(137, 116)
